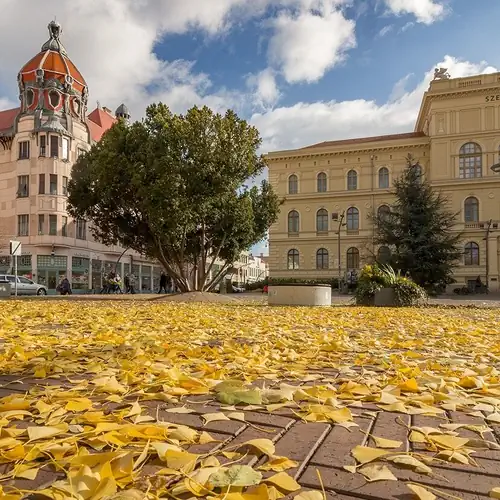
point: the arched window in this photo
(383, 178)
(54, 98)
(353, 258)
(383, 212)
(322, 258)
(293, 184)
(352, 180)
(352, 219)
(30, 97)
(321, 182)
(470, 161)
(293, 259)
(471, 254)
(384, 255)
(293, 221)
(322, 220)
(471, 209)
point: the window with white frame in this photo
(470, 161)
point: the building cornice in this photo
(449, 94)
(296, 155)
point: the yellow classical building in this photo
(456, 140)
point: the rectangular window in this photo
(65, 148)
(64, 231)
(80, 152)
(23, 186)
(41, 224)
(24, 150)
(23, 224)
(41, 184)
(53, 225)
(54, 146)
(65, 186)
(81, 230)
(53, 184)
(43, 145)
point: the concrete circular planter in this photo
(299, 294)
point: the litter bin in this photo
(5, 289)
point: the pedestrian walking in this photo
(163, 282)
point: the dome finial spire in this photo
(54, 43)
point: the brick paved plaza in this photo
(374, 384)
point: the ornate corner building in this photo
(457, 142)
(39, 142)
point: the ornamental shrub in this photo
(374, 277)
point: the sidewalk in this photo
(322, 450)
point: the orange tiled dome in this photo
(55, 64)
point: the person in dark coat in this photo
(65, 287)
(163, 282)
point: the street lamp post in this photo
(340, 220)
(487, 260)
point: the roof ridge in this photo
(374, 138)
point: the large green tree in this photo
(420, 230)
(173, 188)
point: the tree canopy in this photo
(420, 231)
(173, 188)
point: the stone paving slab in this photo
(322, 450)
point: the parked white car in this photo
(24, 285)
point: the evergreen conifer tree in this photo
(420, 231)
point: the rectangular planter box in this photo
(385, 298)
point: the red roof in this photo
(99, 121)
(7, 118)
(360, 140)
(55, 65)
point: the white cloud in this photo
(407, 26)
(265, 88)
(399, 89)
(112, 42)
(305, 45)
(308, 123)
(385, 30)
(6, 103)
(425, 11)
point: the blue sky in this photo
(302, 71)
(371, 69)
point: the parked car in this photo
(24, 285)
(238, 289)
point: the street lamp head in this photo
(496, 168)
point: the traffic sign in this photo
(15, 248)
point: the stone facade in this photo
(456, 140)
